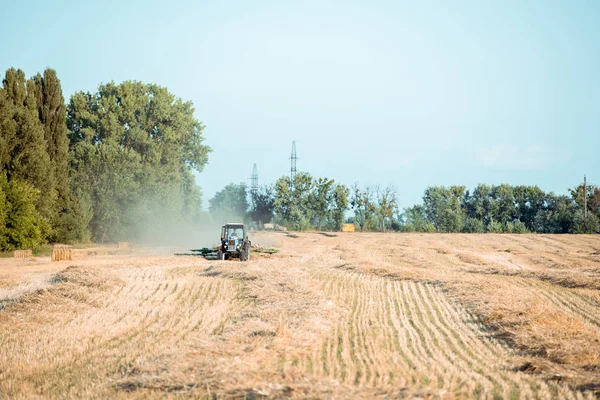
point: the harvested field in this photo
(329, 316)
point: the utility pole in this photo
(254, 181)
(584, 198)
(293, 164)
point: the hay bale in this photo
(348, 228)
(23, 253)
(62, 255)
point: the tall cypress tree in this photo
(52, 114)
(24, 155)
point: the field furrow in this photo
(407, 333)
(347, 316)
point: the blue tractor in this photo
(234, 243)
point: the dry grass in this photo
(347, 316)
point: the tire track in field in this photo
(405, 333)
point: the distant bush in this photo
(473, 225)
(495, 227)
(23, 227)
(518, 227)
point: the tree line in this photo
(117, 164)
(106, 166)
(306, 203)
(503, 209)
(311, 203)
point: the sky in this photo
(403, 93)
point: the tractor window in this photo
(236, 233)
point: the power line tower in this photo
(254, 181)
(293, 158)
(585, 198)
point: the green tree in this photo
(23, 226)
(528, 200)
(591, 199)
(364, 206)
(387, 204)
(133, 148)
(262, 205)
(517, 227)
(51, 110)
(473, 225)
(3, 211)
(495, 227)
(320, 198)
(23, 149)
(559, 215)
(443, 207)
(504, 204)
(229, 204)
(292, 203)
(283, 203)
(414, 219)
(479, 205)
(339, 206)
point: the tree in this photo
(443, 207)
(229, 204)
(387, 204)
(133, 148)
(591, 199)
(3, 211)
(479, 205)
(292, 203)
(415, 220)
(473, 225)
(23, 149)
(51, 110)
(504, 204)
(559, 215)
(22, 226)
(364, 206)
(284, 199)
(262, 204)
(320, 198)
(339, 205)
(528, 200)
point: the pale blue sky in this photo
(409, 93)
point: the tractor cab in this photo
(234, 242)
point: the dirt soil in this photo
(345, 315)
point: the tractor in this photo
(234, 243)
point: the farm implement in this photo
(234, 244)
